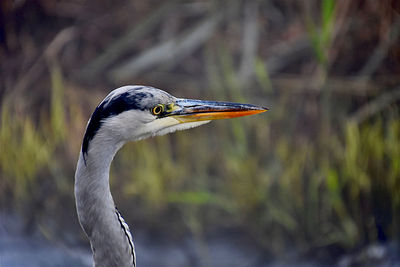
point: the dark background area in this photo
(316, 178)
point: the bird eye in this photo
(157, 110)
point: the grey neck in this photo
(108, 233)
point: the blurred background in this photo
(314, 181)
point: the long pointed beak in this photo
(189, 110)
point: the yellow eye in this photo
(157, 110)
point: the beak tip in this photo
(263, 109)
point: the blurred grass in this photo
(262, 174)
(24, 151)
(310, 192)
(321, 36)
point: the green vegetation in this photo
(302, 175)
(311, 192)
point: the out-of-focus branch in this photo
(380, 52)
(171, 51)
(285, 54)
(249, 41)
(338, 85)
(126, 42)
(373, 107)
(37, 69)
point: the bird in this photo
(130, 113)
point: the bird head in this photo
(136, 112)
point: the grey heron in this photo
(130, 113)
